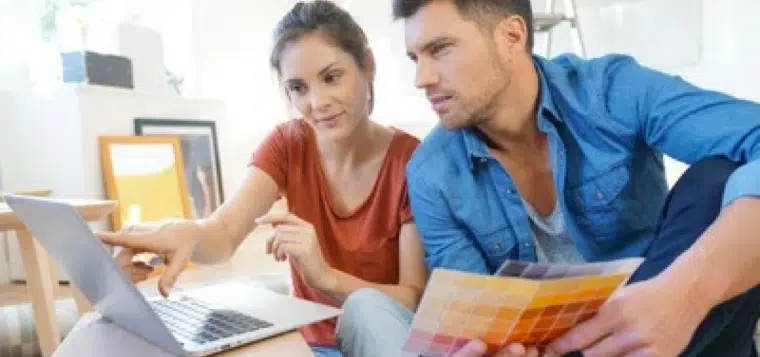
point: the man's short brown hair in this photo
(483, 12)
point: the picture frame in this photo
(145, 175)
(200, 149)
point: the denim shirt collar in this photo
(475, 145)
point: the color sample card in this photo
(528, 303)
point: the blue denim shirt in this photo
(608, 120)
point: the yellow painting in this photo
(145, 176)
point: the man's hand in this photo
(477, 348)
(655, 318)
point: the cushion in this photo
(18, 335)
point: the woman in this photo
(348, 235)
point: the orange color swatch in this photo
(528, 303)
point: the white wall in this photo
(50, 141)
(719, 54)
(231, 44)
(111, 111)
(233, 41)
(18, 32)
(38, 150)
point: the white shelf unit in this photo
(50, 140)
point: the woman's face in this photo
(326, 85)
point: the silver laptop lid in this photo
(69, 240)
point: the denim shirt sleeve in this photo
(447, 244)
(686, 122)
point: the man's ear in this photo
(512, 33)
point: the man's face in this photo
(459, 64)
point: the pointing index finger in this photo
(141, 241)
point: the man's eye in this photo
(437, 49)
(296, 88)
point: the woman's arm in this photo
(232, 222)
(412, 274)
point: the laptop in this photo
(194, 322)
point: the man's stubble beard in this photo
(483, 107)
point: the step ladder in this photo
(545, 22)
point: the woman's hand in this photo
(296, 239)
(173, 241)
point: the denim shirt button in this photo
(599, 195)
(483, 160)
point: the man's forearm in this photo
(725, 261)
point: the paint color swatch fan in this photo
(526, 303)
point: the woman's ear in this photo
(369, 72)
(369, 66)
(290, 107)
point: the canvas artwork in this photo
(526, 303)
(200, 155)
(145, 175)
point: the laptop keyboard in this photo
(192, 320)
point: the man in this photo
(561, 161)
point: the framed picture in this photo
(200, 151)
(146, 176)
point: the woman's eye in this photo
(330, 78)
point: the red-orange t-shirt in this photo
(363, 243)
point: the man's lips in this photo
(439, 102)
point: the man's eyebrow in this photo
(436, 41)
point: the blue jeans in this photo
(372, 325)
(321, 351)
(691, 207)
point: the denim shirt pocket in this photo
(496, 245)
(596, 203)
(484, 217)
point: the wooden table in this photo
(39, 269)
